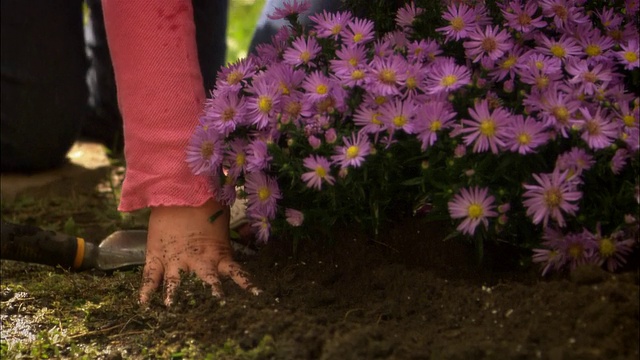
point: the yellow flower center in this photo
(240, 159)
(576, 251)
(357, 37)
(607, 247)
(488, 127)
(560, 11)
(335, 30)
(593, 50)
(509, 62)
(630, 56)
(561, 114)
(524, 139)
(228, 114)
(558, 51)
(380, 100)
(435, 125)
(374, 119)
(448, 80)
(264, 104)
(321, 89)
(293, 108)
(542, 81)
(264, 193)
(387, 76)
(352, 151)
(629, 120)
(539, 65)
(552, 198)
(305, 56)
(357, 74)
(234, 77)
(524, 19)
(399, 120)
(475, 211)
(592, 127)
(489, 44)
(206, 149)
(320, 171)
(457, 23)
(284, 88)
(353, 61)
(411, 83)
(589, 76)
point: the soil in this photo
(409, 295)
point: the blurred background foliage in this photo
(243, 16)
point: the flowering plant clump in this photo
(514, 120)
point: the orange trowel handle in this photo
(33, 244)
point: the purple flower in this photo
(552, 196)
(262, 193)
(258, 157)
(619, 160)
(598, 130)
(386, 75)
(575, 161)
(353, 152)
(524, 135)
(350, 65)
(294, 217)
(330, 24)
(225, 112)
(612, 250)
(486, 129)
(422, 50)
(407, 14)
(263, 102)
(289, 8)
(562, 48)
(445, 76)
(368, 118)
(432, 118)
(399, 115)
(552, 257)
(317, 86)
(629, 56)
(488, 43)
(261, 223)
(564, 13)
(236, 157)
(579, 249)
(473, 205)
(358, 31)
(204, 151)
(320, 168)
(232, 77)
(462, 20)
(589, 78)
(302, 51)
(227, 193)
(522, 18)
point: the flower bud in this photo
(503, 208)
(330, 136)
(503, 219)
(314, 142)
(460, 151)
(470, 172)
(294, 217)
(343, 173)
(508, 86)
(290, 142)
(424, 165)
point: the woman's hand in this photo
(184, 238)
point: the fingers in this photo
(152, 275)
(171, 284)
(230, 268)
(210, 276)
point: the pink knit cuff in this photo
(160, 94)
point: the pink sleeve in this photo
(160, 94)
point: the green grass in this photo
(243, 16)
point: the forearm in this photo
(160, 95)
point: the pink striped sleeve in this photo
(160, 94)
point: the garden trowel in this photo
(123, 248)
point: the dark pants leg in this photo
(44, 90)
(211, 36)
